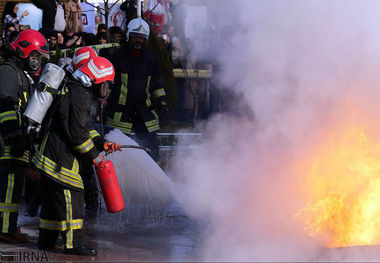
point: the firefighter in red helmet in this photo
(69, 139)
(24, 58)
(91, 192)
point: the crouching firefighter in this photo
(67, 141)
(25, 56)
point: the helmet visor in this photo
(44, 51)
(137, 34)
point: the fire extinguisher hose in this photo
(135, 147)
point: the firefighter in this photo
(81, 56)
(91, 192)
(138, 90)
(67, 141)
(25, 58)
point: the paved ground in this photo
(174, 240)
(118, 238)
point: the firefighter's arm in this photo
(10, 117)
(97, 139)
(108, 147)
(158, 92)
(80, 138)
(156, 85)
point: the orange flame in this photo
(344, 175)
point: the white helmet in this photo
(139, 27)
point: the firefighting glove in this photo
(163, 111)
(18, 146)
(110, 147)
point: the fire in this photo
(344, 178)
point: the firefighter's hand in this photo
(110, 147)
(163, 111)
(97, 160)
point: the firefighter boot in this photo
(80, 251)
(14, 238)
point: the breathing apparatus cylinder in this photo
(110, 186)
(48, 86)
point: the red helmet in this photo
(99, 70)
(97, 73)
(30, 40)
(81, 56)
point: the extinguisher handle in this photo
(98, 159)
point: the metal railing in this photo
(100, 46)
(178, 73)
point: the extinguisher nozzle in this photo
(135, 147)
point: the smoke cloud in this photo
(302, 67)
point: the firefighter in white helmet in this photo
(137, 101)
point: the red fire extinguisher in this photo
(110, 186)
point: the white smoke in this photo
(297, 63)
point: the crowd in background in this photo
(137, 106)
(62, 27)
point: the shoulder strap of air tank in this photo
(50, 113)
(20, 88)
(18, 74)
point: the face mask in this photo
(102, 90)
(35, 60)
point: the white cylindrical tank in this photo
(50, 80)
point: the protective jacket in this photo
(70, 137)
(137, 88)
(15, 90)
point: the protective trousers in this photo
(91, 191)
(146, 138)
(11, 185)
(61, 212)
